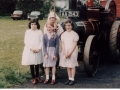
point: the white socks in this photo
(53, 77)
(71, 79)
(47, 77)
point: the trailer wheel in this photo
(91, 56)
(114, 42)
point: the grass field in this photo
(11, 47)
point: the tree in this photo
(7, 6)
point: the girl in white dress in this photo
(69, 53)
(32, 53)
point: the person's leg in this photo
(37, 70)
(69, 73)
(53, 75)
(73, 70)
(47, 69)
(71, 82)
(58, 73)
(32, 71)
(53, 72)
(69, 76)
(47, 72)
(33, 74)
(42, 68)
(37, 73)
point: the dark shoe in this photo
(52, 82)
(46, 81)
(71, 82)
(67, 82)
(34, 81)
(38, 80)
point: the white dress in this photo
(69, 38)
(32, 39)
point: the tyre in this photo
(114, 42)
(91, 56)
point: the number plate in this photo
(70, 13)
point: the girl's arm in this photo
(26, 39)
(41, 40)
(63, 47)
(76, 38)
(73, 48)
(57, 46)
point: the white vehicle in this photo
(35, 15)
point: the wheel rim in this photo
(91, 56)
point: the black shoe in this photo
(71, 82)
(67, 82)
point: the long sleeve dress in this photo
(32, 40)
(69, 38)
(50, 48)
(59, 31)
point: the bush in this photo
(12, 77)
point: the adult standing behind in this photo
(53, 18)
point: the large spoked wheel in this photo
(91, 56)
(114, 42)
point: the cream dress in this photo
(32, 39)
(69, 38)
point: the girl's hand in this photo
(69, 55)
(54, 57)
(33, 50)
(46, 56)
(37, 50)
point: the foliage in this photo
(12, 77)
(8, 6)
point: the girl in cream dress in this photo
(32, 53)
(69, 53)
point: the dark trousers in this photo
(34, 70)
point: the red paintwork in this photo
(103, 3)
(90, 3)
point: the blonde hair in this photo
(50, 23)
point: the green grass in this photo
(11, 47)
